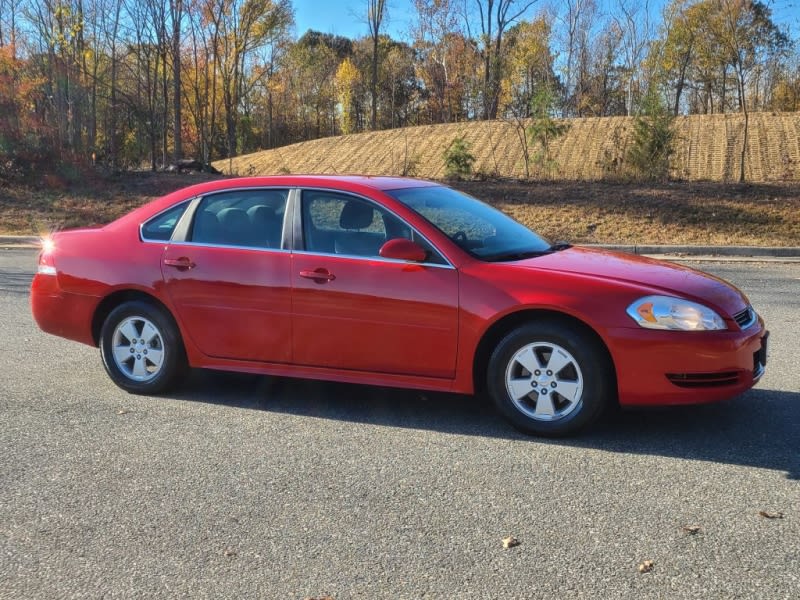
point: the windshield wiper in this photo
(523, 254)
(558, 246)
(510, 256)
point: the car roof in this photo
(351, 183)
(345, 182)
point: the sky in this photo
(347, 17)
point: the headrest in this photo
(260, 214)
(356, 215)
(233, 219)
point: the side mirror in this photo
(403, 249)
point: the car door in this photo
(229, 279)
(353, 309)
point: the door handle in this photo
(181, 263)
(319, 275)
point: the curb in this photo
(705, 251)
(20, 241)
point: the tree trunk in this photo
(112, 125)
(374, 83)
(176, 81)
(743, 104)
(486, 82)
(269, 120)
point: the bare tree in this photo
(176, 16)
(376, 12)
(202, 94)
(111, 31)
(496, 16)
(433, 34)
(633, 21)
(576, 20)
(747, 36)
(9, 27)
(142, 72)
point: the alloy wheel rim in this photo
(544, 381)
(138, 349)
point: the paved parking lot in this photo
(255, 487)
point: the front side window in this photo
(160, 227)
(342, 224)
(247, 218)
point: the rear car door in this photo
(229, 279)
(353, 309)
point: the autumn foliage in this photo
(23, 136)
(122, 84)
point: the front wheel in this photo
(550, 379)
(141, 348)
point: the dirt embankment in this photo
(707, 147)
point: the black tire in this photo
(133, 368)
(586, 378)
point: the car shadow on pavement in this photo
(758, 429)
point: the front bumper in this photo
(670, 367)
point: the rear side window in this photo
(160, 227)
(245, 218)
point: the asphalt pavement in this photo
(257, 487)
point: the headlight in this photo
(664, 312)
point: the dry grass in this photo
(707, 148)
(55, 203)
(583, 212)
(700, 213)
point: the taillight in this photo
(47, 264)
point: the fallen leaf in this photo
(646, 566)
(770, 515)
(122, 411)
(691, 529)
(230, 552)
(510, 542)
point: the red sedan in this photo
(392, 282)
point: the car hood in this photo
(656, 275)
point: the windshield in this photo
(484, 232)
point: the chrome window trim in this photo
(229, 246)
(142, 238)
(374, 258)
(302, 189)
(295, 195)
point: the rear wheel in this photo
(141, 348)
(550, 379)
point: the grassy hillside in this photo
(707, 148)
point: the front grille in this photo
(760, 358)
(703, 380)
(745, 318)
